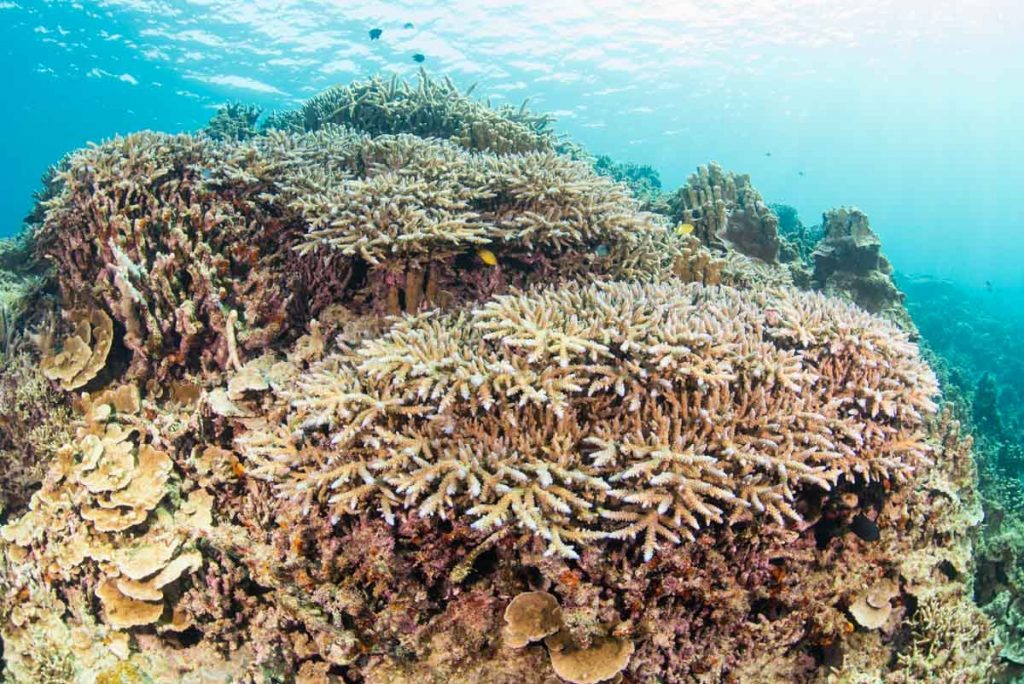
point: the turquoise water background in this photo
(910, 110)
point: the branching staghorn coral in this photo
(612, 412)
(205, 252)
(950, 641)
(416, 207)
(432, 108)
(172, 236)
(233, 121)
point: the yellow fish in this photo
(487, 256)
(684, 229)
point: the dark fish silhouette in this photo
(767, 154)
(800, 173)
(830, 527)
(825, 529)
(864, 527)
(988, 285)
(418, 57)
(375, 33)
(408, 25)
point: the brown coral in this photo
(873, 606)
(600, 662)
(726, 211)
(848, 262)
(531, 616)
(85, 350)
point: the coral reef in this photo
(970, 343)
(34, 421)
(273, 229)
(726, 211)
(394, 391)
(848, 262)
(797, 241)
(1000, 583)
(34, 416)
(431, 108)
(973, 337)
(643, 181)
(234, 121)
(660, 409)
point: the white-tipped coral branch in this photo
(613, 411)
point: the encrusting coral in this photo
(363, 405)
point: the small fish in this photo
(602, 250)
(767, 154)
(799, 173)
(825, 530)
(408, 25)
(864, 527)
(375, 33)
(487, 256)
(684, 229)
(419, 58)
(988, 285)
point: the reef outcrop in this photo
(848, 262)
(375, 407)
(727, 211)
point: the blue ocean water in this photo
(909, 110)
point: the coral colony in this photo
(398, 388)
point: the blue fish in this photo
(419, 58)
(375, 33)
